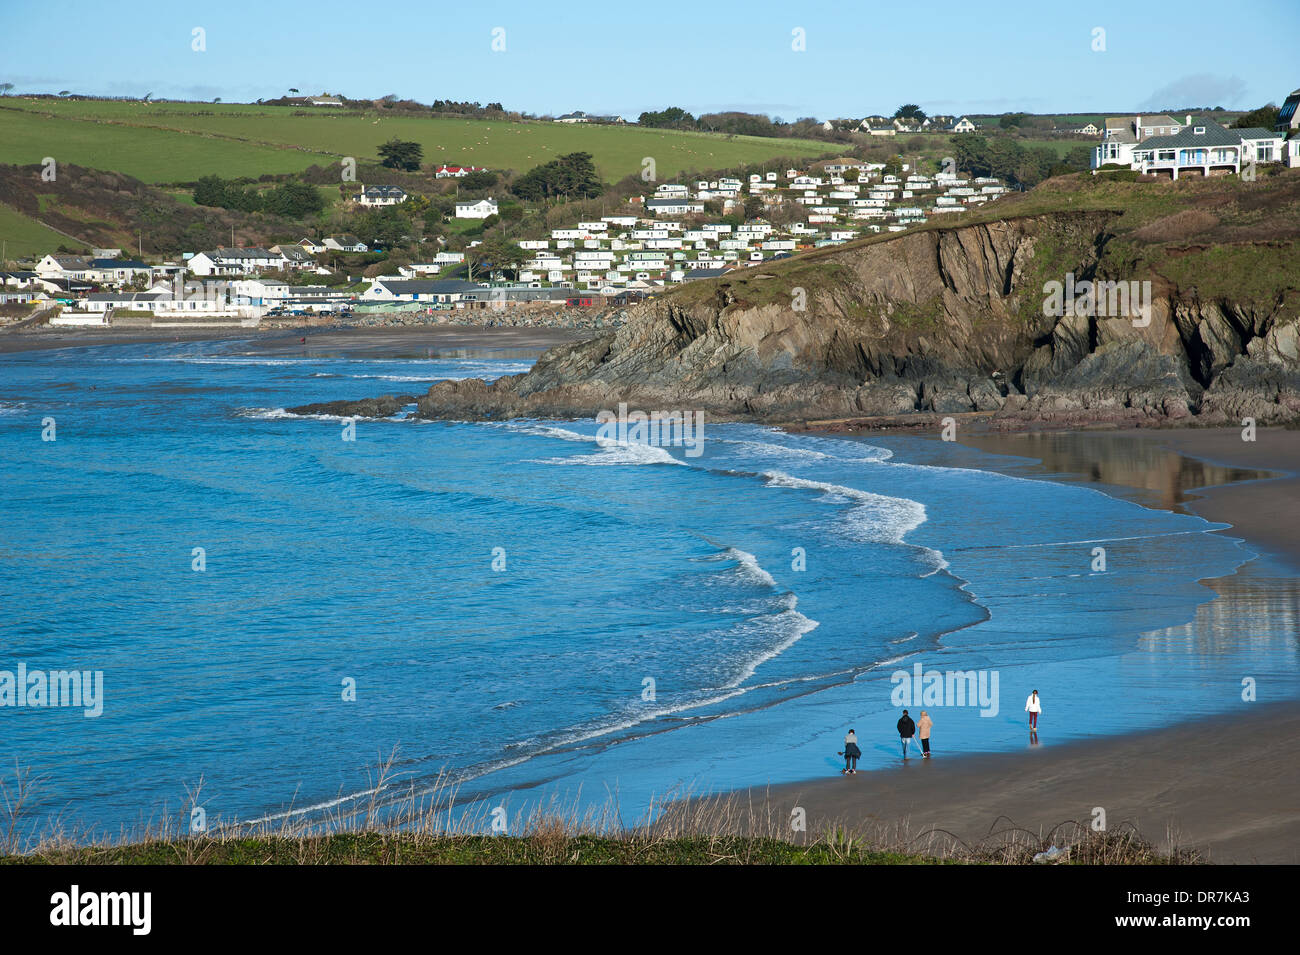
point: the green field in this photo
(23, 236)
(173, 142)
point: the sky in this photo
(782, 59)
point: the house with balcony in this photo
(1204, 148)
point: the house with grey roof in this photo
(382, 195)
(1163, 146)
(418, 290)
(1204, 148)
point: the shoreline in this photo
(1223, 784)
(371, 341)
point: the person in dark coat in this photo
(851, 754)
(906, 730)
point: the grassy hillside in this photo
(23, 236)
(157, 142)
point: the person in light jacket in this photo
(906, 730)
(851, 753)
(1033, 706)
(923, 732)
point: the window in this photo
(1199, 131)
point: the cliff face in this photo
(943, 320)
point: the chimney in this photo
(1189, 120)
(1137, 127)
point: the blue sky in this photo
(621, 57)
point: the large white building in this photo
(1162, 146)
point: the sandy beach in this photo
(1228, 786)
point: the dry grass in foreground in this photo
(392, 826)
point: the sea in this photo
(279, 605)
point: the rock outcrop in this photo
(934, 321)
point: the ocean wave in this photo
(872, 517)
(280, 414)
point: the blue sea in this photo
(533, 613)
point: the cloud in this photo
(1198, 89)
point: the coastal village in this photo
(612, 260)
(668, 235)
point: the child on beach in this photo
(1033, 706)
(851, 753)
(906, 729)
(923, 732)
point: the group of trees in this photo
(1021, 166)
(1265, 117)
(292, 200)
(572, 176)
(735, 123)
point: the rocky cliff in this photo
(942, 320)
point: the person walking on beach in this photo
(1033, 706)
(923, 732)
(851, 753)
(906, 729)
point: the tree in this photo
(5, 88)
(498, 253)
(572, 176)
(479, 180)
(909, 111)
(674, 117)
(398, 154)
(1265, 116)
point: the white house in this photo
(962, 125)
(1201, 148)
(382, 195)
(418, 290)
(476, 209)
(234, 261)
(345, 243)
(456, 172)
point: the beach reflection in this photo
(1253, 611)
(1156, 476)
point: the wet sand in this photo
(1228, 785)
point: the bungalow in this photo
(577, 116)
(382, 195)
(476, 209)
(345, 243)
(418, 290)
(311, 246)
(962, 125)
(324, 100)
